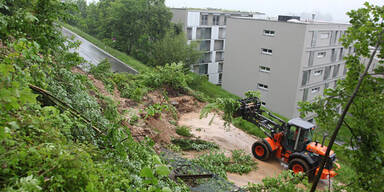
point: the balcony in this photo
(219, 45)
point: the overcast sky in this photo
(333, 9)
(325, 9)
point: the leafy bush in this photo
(184, 131)
(287, 181)
(103, 72)
(218, 163)
(228, 105)
(194, 144)
(155, 110)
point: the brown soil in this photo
(230, 138)
(157, 128)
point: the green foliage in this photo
(161, 77)
(45, 146)
(134, 119)
(194, 144)
(218, 163)
(155, 110)
(251, 94)
(184, 131)
(363, 125)
(228, 105)
(152, 39)
(287, 181)
(103, 72)
(173, 49)
(248, 127)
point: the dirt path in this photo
(229, 139)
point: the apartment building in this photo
(286, 60)
(208, 28)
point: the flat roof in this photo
(301, 123)
(213, 10)
(305, 22)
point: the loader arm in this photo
(250, 110)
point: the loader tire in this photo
(260, 151)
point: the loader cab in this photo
(298, 134)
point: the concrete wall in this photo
(243, 58)
(180, 17)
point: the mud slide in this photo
(228, 139)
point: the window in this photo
(341, 55)
(220, 78)
(306, 77)
(315, 90)
(205, 58)
(265, 69)
(327, 72)
(204, 20)
(336, 71)
(318, 72)
(305, 95)
(205, 45)
(324, 35)
(266, 51)
(220, 68)
(216, 19)
(225, 20)
(204, 33)
(269, 33)
(333, 56)
(189, 32)
(321, 54)
(203, 69)
(219, 56)
(262, 86)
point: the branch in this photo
(340, 122)
(353, 134)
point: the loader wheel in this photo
(260, 151)
(298, 165)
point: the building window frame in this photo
(269, 33)
(321, 54)
(315, 90)
(266, 51)
(216, 20)
(265, 69)
(204, 20)
(262, 86)
(318, 72)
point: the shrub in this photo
(184, 131)
(194, 144)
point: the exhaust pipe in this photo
(322, 143)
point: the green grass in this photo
(140, 67)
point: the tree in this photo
(140, 28)
(174, 49)
(360, 95)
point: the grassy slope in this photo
(210, 90)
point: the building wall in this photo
(243, 58)
(180, 16)
(295, 48)
(317, 83)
